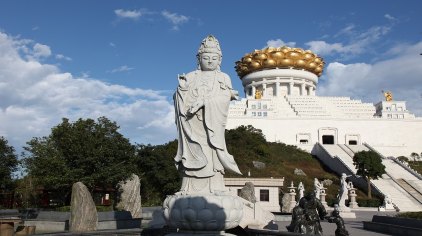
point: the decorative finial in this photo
(388, 95)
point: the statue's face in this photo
(209, 61)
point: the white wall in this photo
(389, 137)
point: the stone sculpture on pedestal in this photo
(201, 106)
(317, 188)
(343, 193)
(301, 190)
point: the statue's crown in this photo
(211, 45)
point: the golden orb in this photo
(269, 63)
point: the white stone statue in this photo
(301, 190)
(317, 188)
(388, 203)
(201, 104)
(343, 192)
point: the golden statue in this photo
(388, 96)
(258, 94)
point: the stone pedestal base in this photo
(203, 214)
(200, 233)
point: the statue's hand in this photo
(234, 95)
(195, 107)
(182, 80)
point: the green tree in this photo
(369, 165)
(159, 176)
(90, 151)
(415, 156)
(8, 164)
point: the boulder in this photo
(248, 192)
(258, 164)
(130, 196)
(83, 213)
(327, 182)
(298, 171)
(285, 203)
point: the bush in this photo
(413, 215)
(369, 202)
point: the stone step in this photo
(410, 189)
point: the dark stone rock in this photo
(83, 213)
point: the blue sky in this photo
(120, 59)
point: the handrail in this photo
(322, 146)
(419, 176)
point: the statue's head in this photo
(209, 54)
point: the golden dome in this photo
(282, 57)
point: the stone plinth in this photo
(322, 197)
(208, 214)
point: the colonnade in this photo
(306, 88)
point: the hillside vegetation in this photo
(246, 144)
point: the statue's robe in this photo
(202, 150)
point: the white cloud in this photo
(276, 43)
(112, 44)
(35, 96)
(63, 57)
(41, 50)
(122, 69)
(401, 74)
(389, 17)
(128, 14)
(358, 42)
(175, 19)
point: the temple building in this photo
(281, 99)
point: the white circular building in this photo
(280, 86)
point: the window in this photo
(327, 139)
(353, 142)
(265, 113)
(303, 141)
(259, 113)
(388, 108)
(389, 116)
(259, 105)
(401, 116)
(238, 191)
(264, 195)
(253, 113)
(253, 106)
(264, 106)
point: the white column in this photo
(302, 89)
(264, 89)
(291, 84)
(277, 88)
(253, 91)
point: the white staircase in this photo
(404, 188)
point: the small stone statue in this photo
(317, 186)
(336, 218)
(301, 190)
(343, 192)
(307, 215)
